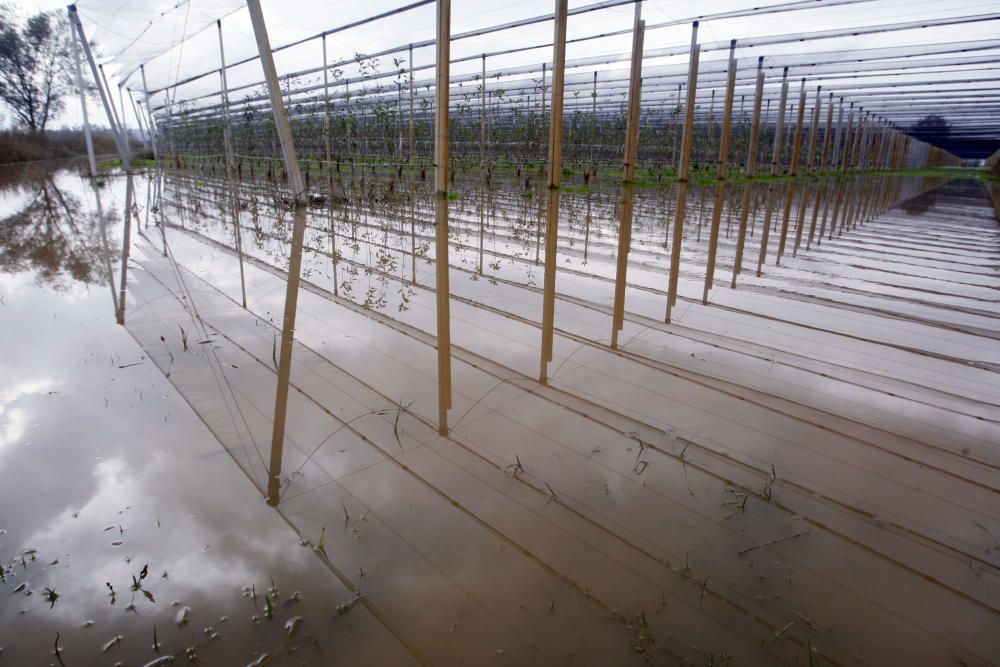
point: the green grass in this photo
(137, 163)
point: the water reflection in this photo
(51, 235)
(118, 509)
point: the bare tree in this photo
(35, 67)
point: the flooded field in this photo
(801, 470)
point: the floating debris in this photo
(292, 624)
(261, 659)
(343, 609)
(162, 660)
(111, 643)
(182, 616)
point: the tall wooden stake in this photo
(682, 176)
(295, 259)
(790, 191)
(741, 235)
(779, 135)
(627, 202)
(441, 211)
(720, 189)
(555, 179)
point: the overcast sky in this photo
(130, 32)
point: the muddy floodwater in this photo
(803, 470)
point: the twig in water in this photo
(770, 542)
(516, 467)
(57, 651)
(396, 430)
(807, 621)
(777, 635)
(480, 400)
(687, 483)
(767, 491)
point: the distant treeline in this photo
(20, 146)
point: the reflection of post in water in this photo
(158, 202)
(102, 224)
(586, 232)
(126, 244)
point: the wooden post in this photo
(790, 190)
(821, 189)
(832, 165)
(295, 258)
(810, 162)
(555, 180)
(741, 235)
(682, 176)
(544, 72)
(727, 121)
(844, 163)
(677, 119)
(628, 174)
(126, 247)
(443, 44)
(779, 135)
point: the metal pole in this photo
(227, 140)
(149, 113)
(88, 137)
(122, 150)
